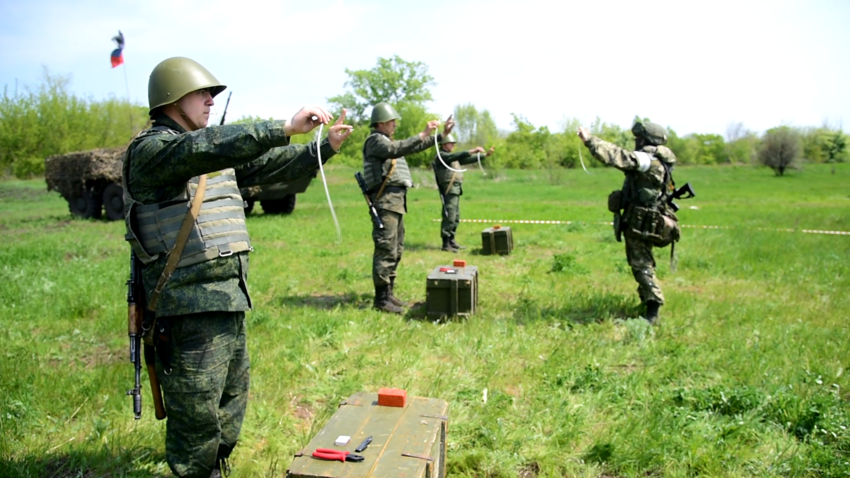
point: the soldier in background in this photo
(202, 360)
(450, 186)
(387, 178)
(648, 220)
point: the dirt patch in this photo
(529, 470)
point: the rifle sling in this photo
(173, 256)
(451, 183)
(386, 180)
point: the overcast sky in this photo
(695, 66)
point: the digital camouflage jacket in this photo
(157, 170)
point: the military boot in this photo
(455, 244)
(391, 296)
(382, 301)
(447, 245)
(652, 308)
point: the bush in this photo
(780, 149)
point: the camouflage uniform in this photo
(649, 183)
(450, 185)
(204, 304)
(378, 151)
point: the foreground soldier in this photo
(387, 178)
(648, 219)
(202, 360)
(450, 186)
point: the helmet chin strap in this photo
(186, 119)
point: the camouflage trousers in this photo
(639, 255)
(207, 391)
(389, 245)
(451, 216)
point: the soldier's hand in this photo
(450, 124)
(476, 150)
(491, 150)
(430, 127)
(584, 134)
(339, 132)
(302, 122)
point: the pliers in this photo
(328, 454)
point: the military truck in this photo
(91, 183)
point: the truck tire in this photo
(113, 201)
(86, 204)
(279, 206)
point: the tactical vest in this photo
(219, 231)
(647, 214)
(375, 171)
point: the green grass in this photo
(745, 376)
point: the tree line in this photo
(36, 123)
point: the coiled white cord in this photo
(436, 143)
(479, 164)
(325, 181)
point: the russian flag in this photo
(117, 56)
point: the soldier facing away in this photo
(450, 186)
(648, 220)
(200, 306)
(387, 178)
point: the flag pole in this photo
(129, 104)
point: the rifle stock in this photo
(372, 211)
(136, 330)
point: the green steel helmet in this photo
(383, 112)
(176, 77)
(448, 139)
(652, 133)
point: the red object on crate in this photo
(497, 226)
(392, 397)
(459, 263)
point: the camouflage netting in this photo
(66, 173)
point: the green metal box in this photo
(497, 240)
(452, 291)
(407, 442)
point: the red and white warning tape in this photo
(530, 221)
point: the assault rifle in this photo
(680, 194)
(372, 211)
(136, 330)
(225, 108)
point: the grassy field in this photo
(745, 376)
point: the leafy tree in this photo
(780, 148)
(825, 145)
(474, 128)
(741, 144)
(401, 83)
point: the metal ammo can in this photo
(497, 240)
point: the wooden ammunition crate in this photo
(452, 293)
(497, 240)
(407, 442)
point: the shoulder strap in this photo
(173, 256)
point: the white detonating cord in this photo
(325, 181)
(479, 164)
(437, 144)
(582, 161)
